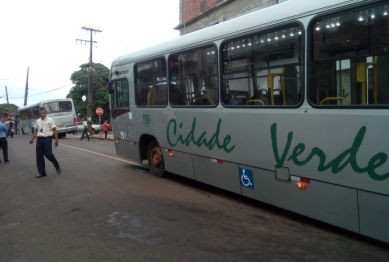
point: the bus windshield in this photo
(58, 106)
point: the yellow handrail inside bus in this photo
(255, 100)
(334, 98)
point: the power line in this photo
(42, 92)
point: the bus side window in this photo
(193, 77)
(150, 78)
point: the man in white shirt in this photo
(85, 131)
(44, 129)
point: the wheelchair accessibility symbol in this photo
(246, 177)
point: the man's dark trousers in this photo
(86, 133)
(4, 147)
(44, 148)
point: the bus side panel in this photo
(128, 150)
(224, 175)
(325, 202)
(180, 161)
(374, 213)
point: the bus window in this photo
(150, 83)
(350, 59)
(193, 78)
(58, 106)
(263, 69)
(121, 93)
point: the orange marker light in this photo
(170, 152)
(301, 185)
(117, 141)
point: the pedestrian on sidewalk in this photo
(44, 129)
(106, 128)
(4, 142)
(85, 124)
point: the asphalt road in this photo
(103, 208)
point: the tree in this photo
(6, 109)
(100, 96)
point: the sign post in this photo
(99, 112)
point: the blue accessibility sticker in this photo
(246, 177)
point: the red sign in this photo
(99, 111)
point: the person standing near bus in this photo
(105, 128)
(3, 142)
(16, 126)
(85, 124)
(10, 128)
(44, 129)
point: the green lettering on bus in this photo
(349, 156)
(202, 140)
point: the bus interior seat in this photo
(176, 97)
(157, 95)
(209, 94)
(259, 98)
(200, 100)
(239, 99)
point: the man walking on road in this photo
(4, 142)
(44, 129)
(85, 131)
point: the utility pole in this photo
(6, 94)
(90, 69)
(26, 92)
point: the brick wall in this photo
(190, 9)
(193, 19)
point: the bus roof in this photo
(263, 18)
(44, 101)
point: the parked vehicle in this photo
(96, 128)
(60, 110)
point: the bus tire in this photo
(155, 159)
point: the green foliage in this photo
(100, 96)
(5, 109)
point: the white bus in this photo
(60, 110)
(288, 105)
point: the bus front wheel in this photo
(155, 159)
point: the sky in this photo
(41, 35)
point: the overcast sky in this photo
(41, 35)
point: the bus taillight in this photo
(301, 185)
(75, 121)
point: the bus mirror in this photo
(110, 88)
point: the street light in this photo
(88, 112)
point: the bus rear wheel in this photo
(155, 159)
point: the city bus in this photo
(287, 105)
(60, 110)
